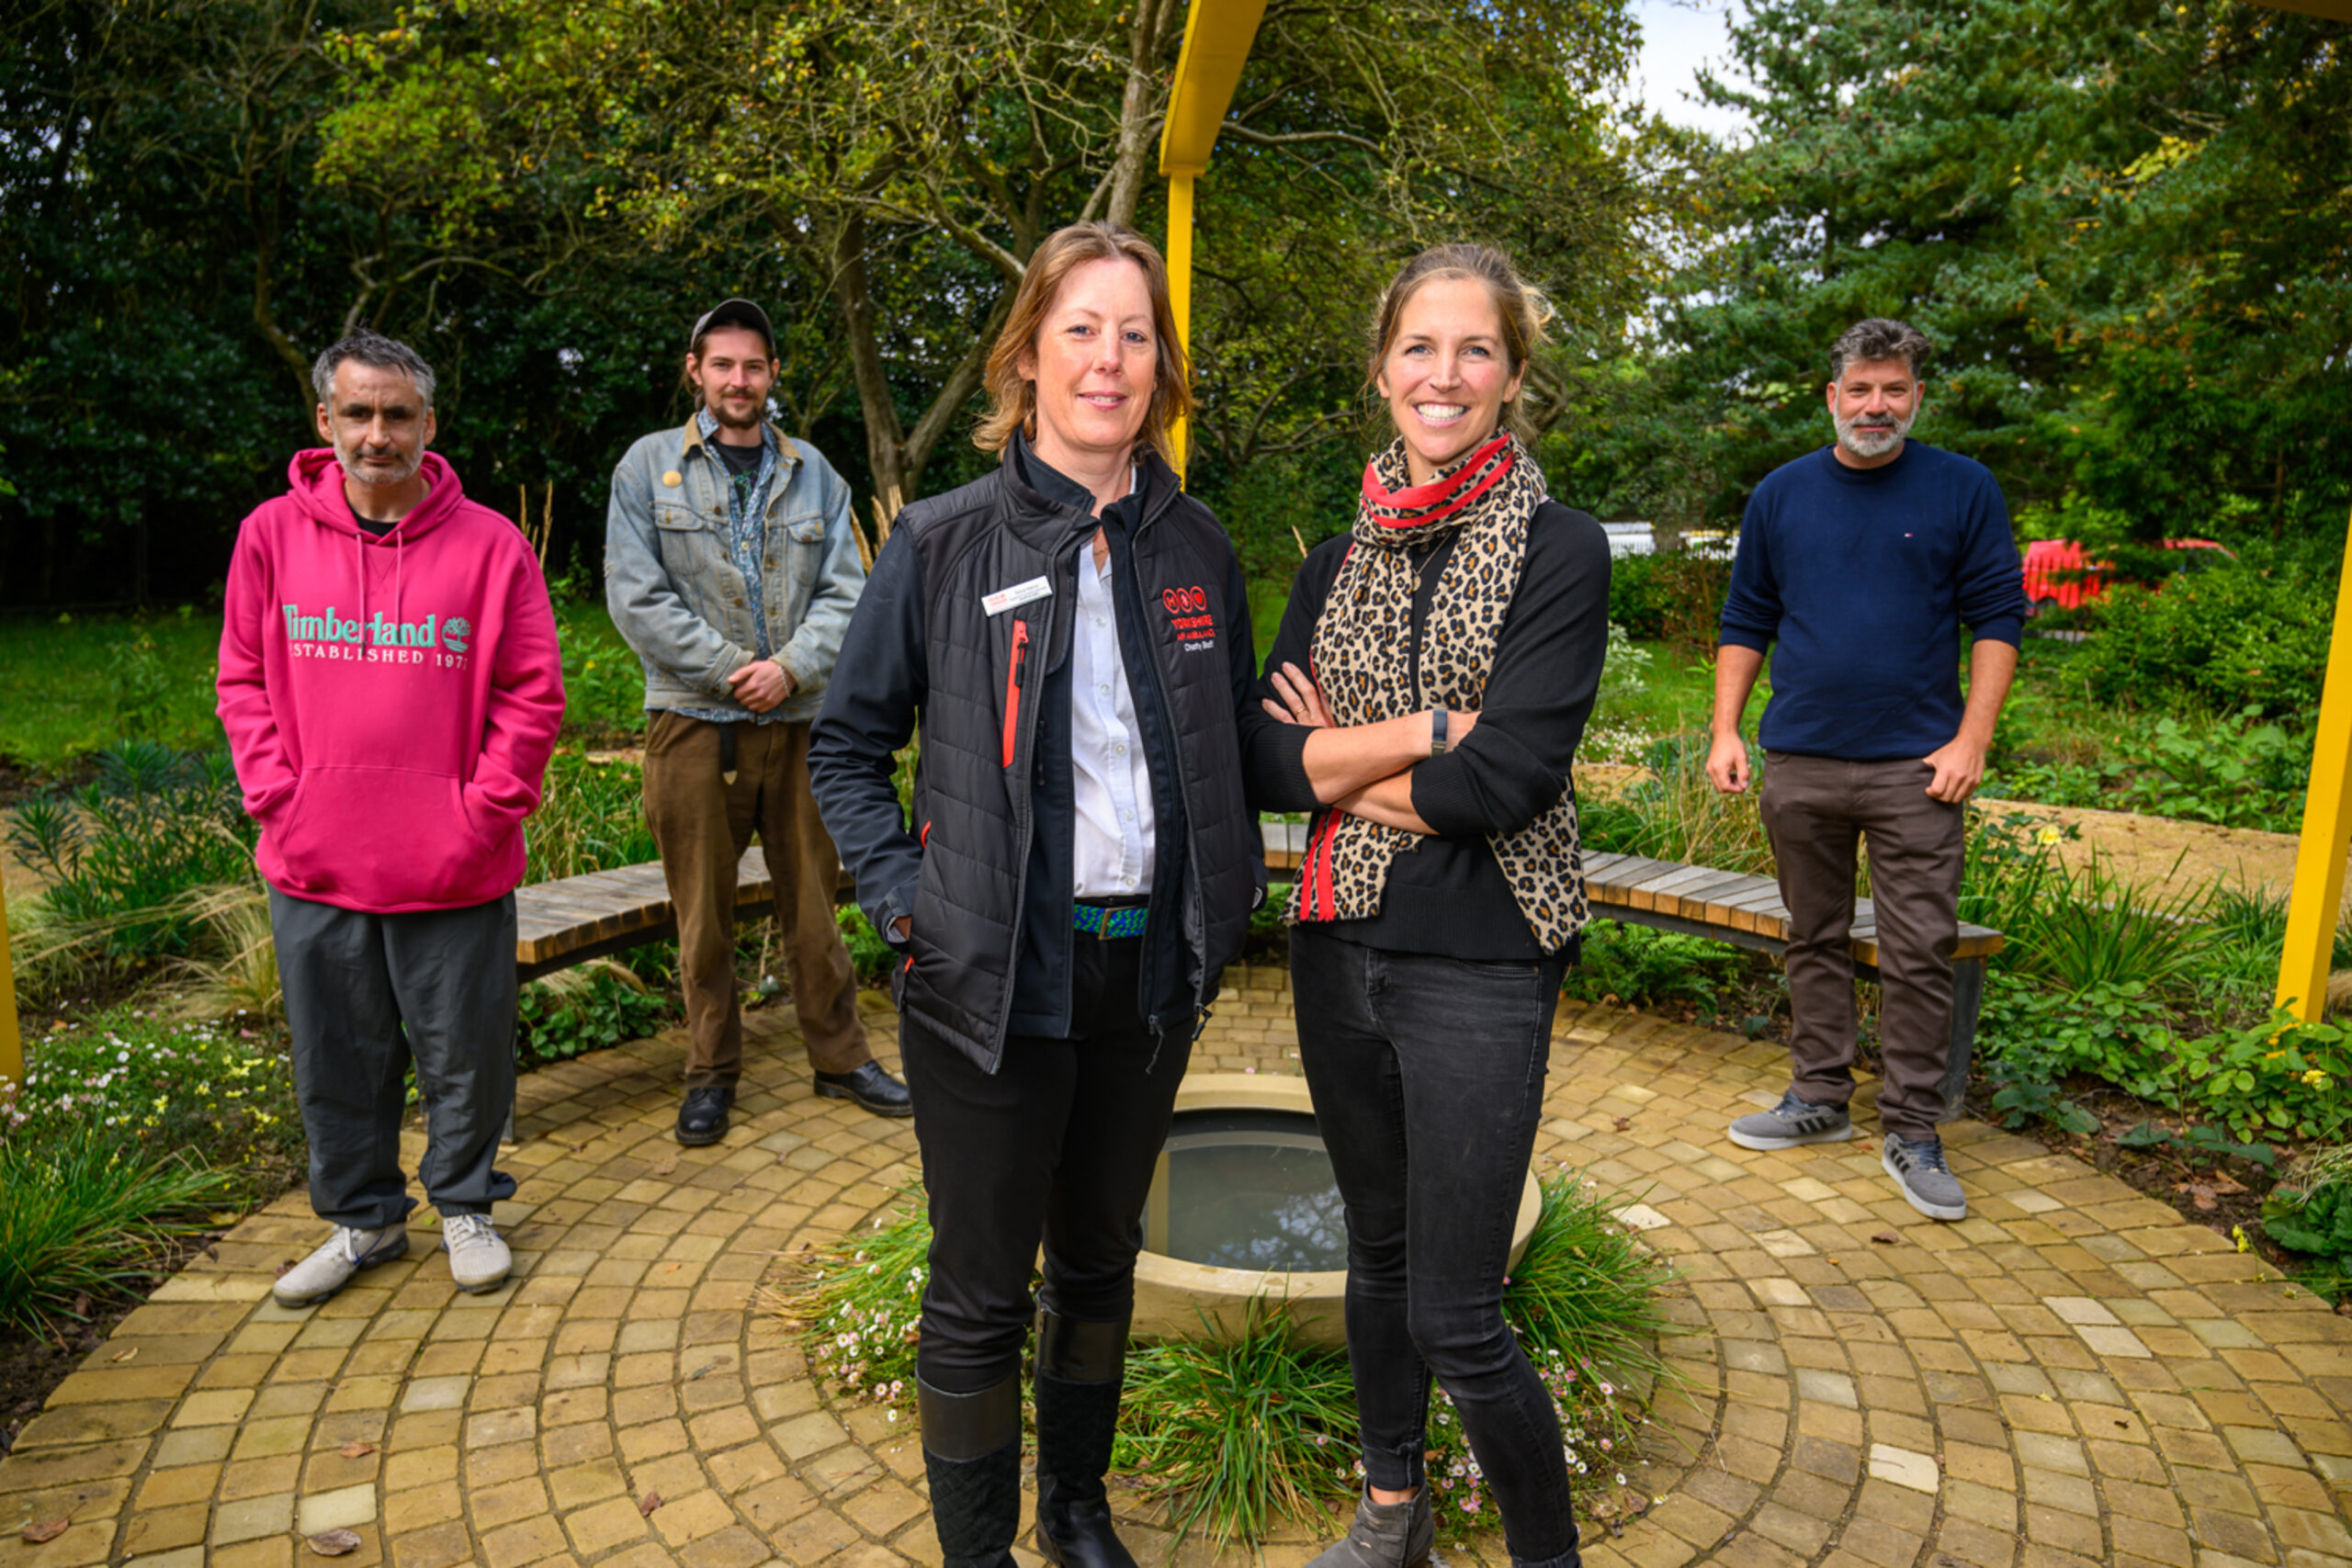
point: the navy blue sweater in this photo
(1864, 577)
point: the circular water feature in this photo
(1247, 1188)
(1244, 1215)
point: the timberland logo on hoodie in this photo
(377, 640)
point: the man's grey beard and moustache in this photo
(348, 454)
(1865, 442)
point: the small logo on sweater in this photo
(1188, 614)
(454, 633)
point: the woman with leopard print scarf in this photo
(1424, 699)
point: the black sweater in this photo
(1449, 896)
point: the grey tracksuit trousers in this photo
(366, 995)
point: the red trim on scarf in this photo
(1454, 491)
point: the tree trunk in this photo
(1153, 19)
(885, 437)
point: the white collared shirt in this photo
(1113, 841)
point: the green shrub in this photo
(1638, 595)
(2310, 1211)
(2031, 1040)
(2279, 1076)
(591, 1007)
(87, 1215)
(2229, 637)
(1640, 967)
(869, 953)
(117, 855)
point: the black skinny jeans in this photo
(1428, 1077)
(1059, 1142)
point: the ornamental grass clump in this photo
(87, 1217)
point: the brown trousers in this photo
(1815, 809)
(703, 825)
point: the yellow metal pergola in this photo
(1218, 37)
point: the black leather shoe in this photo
(703, 1118)
(869, 1087)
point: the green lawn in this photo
(70, 685)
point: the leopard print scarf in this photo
(1362, 662)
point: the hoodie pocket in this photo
(384, 839)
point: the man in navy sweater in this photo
(1862, 561)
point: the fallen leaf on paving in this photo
(651, 1501)
(666, 1166)
(1623, 1122)
(1886, 1238)
(124, 1355)
(334, 1544)
(48, 1529)
(357, 1449)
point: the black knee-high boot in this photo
(971, 1452)
(1081, 1367)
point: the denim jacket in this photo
(677, 597)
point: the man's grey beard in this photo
(1870, 442)
(348, 454)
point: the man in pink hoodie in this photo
(392, 687)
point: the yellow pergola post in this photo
(2327, 828)
(12, 1043)
(1218, 37)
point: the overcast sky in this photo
(1679, 37)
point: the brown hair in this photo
(1523, 310)
(1012, 398)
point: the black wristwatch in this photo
(1437, 730)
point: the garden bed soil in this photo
(2177, 857)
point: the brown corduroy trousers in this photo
(702, 825)
(1815, 809)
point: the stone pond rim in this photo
(1174, 1299)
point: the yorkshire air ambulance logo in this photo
(456, 631)
(1188, 612)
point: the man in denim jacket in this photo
(730, 568)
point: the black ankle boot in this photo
(1081, 1367)
(971, 1452)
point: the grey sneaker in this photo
(1792, 1123)
(330, 1268)
(478, 1260)
(1386, 1535)
(1925, 1181)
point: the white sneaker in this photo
(330, 1268)
(479, 1260)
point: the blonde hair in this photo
(1522, 308)
(1012, 398)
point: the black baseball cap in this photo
(733, 313)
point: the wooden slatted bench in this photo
(575, 918)
(1745, 910)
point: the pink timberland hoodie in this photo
(390, 701)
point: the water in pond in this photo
(1246, 1190)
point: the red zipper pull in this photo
(1013, 689)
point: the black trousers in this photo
(366, 995)
(1428, 1077)
(1058, 1143)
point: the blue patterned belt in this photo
(1108, 922)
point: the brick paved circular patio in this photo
(2071, 1376)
